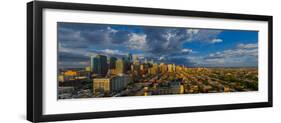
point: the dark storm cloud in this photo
(207, 36)
(88, 35)
(63, 56)
(170, 40)
(153, 42)
(165, 40)
(157, 39)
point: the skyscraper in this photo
(112, 62)
(103, 64)
(120, 66)
(154, 69)
(135, 59)
(130, 57)
(145, 61)
(99, 64)
(128, 62)
(163, 67)
(94, 64)
(170, 68)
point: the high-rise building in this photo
(174, 68)
(136, 59)
(99, 64)
(145, 61)
(135, 68)
(171, 67)
(130, 57)
(154, 69)
(142, 67)
(120, 66)
(112, 62)
(127, 62)
(103, 64)
(163, 67)
(94, 64)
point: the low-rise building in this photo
(112, 84)
(65, 92)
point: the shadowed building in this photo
(99, 64)
(112, 62)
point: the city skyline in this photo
(181, 46)
(126, 60)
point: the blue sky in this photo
(183, 46)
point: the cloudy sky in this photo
(183, 46)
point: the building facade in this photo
(99, 64)
(112, 84)
(120, 66)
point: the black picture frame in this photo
(35, 69)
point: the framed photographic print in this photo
(95, 61)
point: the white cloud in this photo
(112, 52)
(204, 35)
(161, 58)
(215, 61)
(192, 31)
(247, 46)
(241, 55)
(137, 41)
(216, 40)
(111, 30)
(186, 50)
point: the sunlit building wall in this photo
(120, 66)
(170, 68)
(163, 68)
(101, 85)
(154, 69)
(107, 85)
